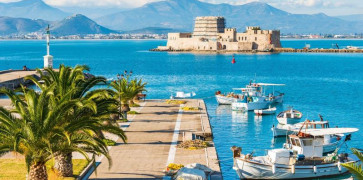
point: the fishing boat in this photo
(251, 103)
(252, 89)
(182, 95)
(330, 142)
(302, 157)
(290, 116)
(270, 110)
(287, 129)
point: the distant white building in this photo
(210, 34)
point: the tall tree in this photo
(33, 131)
(72, 84)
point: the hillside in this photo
(31, 9)
(10, 25)
(180, 14)
(78, 25)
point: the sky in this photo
(329, 7)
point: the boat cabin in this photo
(310, 142)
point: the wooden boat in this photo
(270, 110)
(301, 158)
(290, 116)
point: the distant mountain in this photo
(152, 30)
(73, 25)
(180, 14)
(353, 17)
(32, 9)
(78, 25)
(10, 25)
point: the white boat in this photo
(252, 89)
(290, 116)
(301, 158)
(330, 142)
(270, 110)
(287, 129)
(182, 95)
(251, 103)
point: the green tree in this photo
(355, 168)
(72, 84)
(31, 128)
(125, 90)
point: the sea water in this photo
(330, 84)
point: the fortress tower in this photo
(208, 27)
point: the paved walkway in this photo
(150, 137)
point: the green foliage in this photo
(134, 105)
(132, 112)
(355, 168)
(109, 142)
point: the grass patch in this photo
(122, 120)
(193, 144)
(134, 105)
(175, 101)
(132, 112)
(15, 169)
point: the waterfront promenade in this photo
(152, 137)
(13, 78)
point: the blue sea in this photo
(321, 83)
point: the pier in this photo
(153, 135)
(12, 79)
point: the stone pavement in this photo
(150, 137)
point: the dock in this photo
(12, 79)
(153, 135)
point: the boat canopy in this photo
(270, 84)
(329, 131)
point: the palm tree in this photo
(71, 84)
(35, 132)
(125, 91)
(355, 168)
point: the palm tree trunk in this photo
(63, 164)
(38, 171)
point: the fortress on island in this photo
(210, 34)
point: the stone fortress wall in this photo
(210, 34)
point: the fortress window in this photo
(255, 38)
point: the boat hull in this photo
(239, 106)
(248, 170)
(224, 100)
(283, 120)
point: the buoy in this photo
(233, 60)
(293, 169)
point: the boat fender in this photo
(273, 169)
(293, 169)
(339, 166)
(315, 169)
